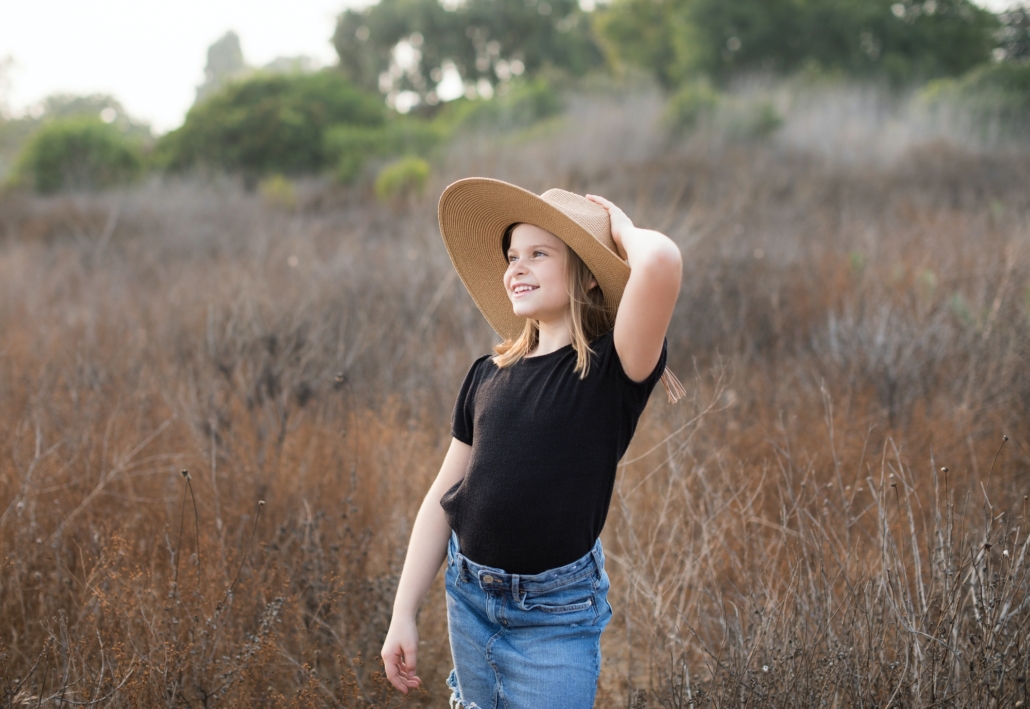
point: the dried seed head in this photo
(185, 473)
(944, 470)
(261, 503)
(1004, 438)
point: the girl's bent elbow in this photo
(664, 261)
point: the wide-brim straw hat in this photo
(476, 212)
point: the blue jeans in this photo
(526, 642)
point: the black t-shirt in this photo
(545, 448)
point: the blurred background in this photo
(327, 74)
(231, 338)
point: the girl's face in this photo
(535, 280)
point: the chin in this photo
(525, 313)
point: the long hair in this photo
(588, 318)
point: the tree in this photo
(1014, 36)
(16, 132)
(78, 152)
(224, 63)
(656, 35)
(904, 42)
(406, 45)
(6, 65)
(269, 123)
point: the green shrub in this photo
(993, 94)
(764, 120)
(524, 104)
(403, 178)
(270, 124)
(80, 152)
(278, 191)
(691, 104)
(745, 118)
(350, 147)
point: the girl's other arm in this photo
(656, 267)
(426, 552)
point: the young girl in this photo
(582, 299)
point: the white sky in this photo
(150, 56)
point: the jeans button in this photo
(488, 579)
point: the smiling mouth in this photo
(519, 290)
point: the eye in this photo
(539, 253)
(512, 258)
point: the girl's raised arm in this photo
(426, 552)
(647, 303)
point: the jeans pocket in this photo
(561, 608)
(575, 597)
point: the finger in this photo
(407, 679)
(396, 672)
(410, 658)
(393, 671)
(614, 210)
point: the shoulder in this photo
(483, 363)
(480, 367)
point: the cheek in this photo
(557, 278)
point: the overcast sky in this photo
(151, 56)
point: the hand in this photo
(621, 224)
(399, 653)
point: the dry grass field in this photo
(832, 517)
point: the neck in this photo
(552, 336)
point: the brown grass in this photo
(785, 537)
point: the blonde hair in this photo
(588, 316)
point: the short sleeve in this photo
(464, 406)
(634, 394)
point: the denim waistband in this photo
(492, 579)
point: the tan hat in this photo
(474, 215)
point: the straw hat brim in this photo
(474, 214)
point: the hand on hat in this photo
(621, 224)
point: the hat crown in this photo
(589, 215)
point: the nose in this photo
(516, 268)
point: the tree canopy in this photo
(78, 152)
(905, 42)
(269, 123)
(490, 40)
(224, 63)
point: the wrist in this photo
(621, 239)
(403, 613)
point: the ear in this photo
(593, 283)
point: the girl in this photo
(582, 299)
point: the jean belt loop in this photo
(595, 552)
(465, 576)
(515, 587)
